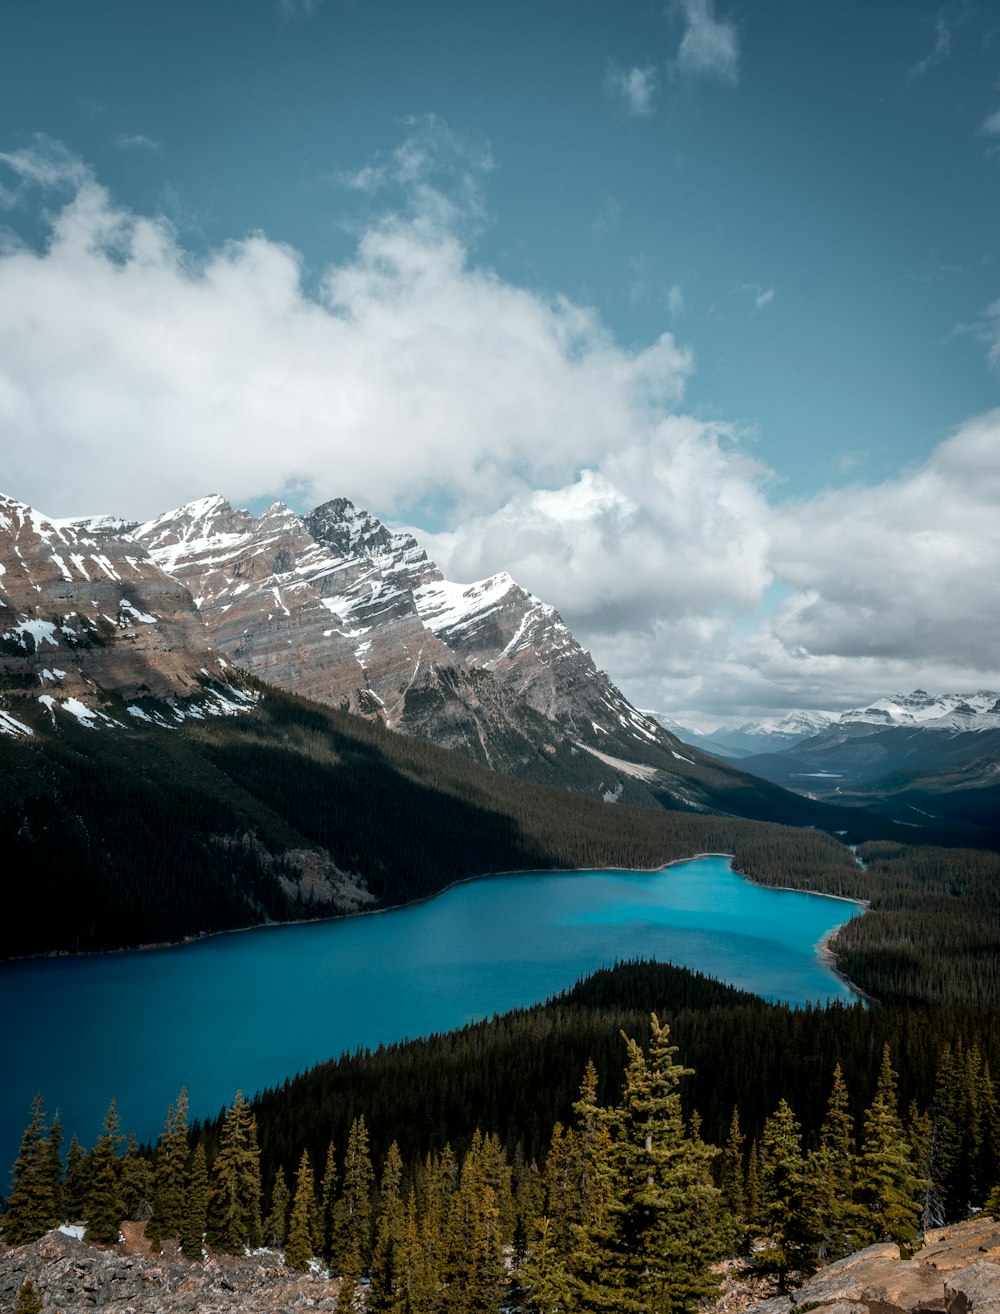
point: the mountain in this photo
(753, 736)
(924, 761)
(91, 627)
(335, 607)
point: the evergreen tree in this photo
(104, 1210)
(170, 1175)
(234, 1206)
(787, 1219)
(732, 1181)
(353, 1211)
(418, 1283)
(889, 1191)
(135, 1183)
(33, 1206)
(195, 1219)
(327, 1204)
(276, 1225)
(385, 1292)
(663, 1227)
(475, 1274)
(75, 1184)
(831, 1170)
(299, 1248)
(753, 1190)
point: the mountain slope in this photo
(87, 616)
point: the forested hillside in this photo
(153, 834)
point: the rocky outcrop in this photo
(955, 1271)
(71, 1276)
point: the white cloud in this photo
(992, 124)
(137, 141)
(675, 301)
(633, 88)
(412, 374)
(709, 46)
(760, 295)
(940, 52)
(135, 374)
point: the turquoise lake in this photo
(246, 1010)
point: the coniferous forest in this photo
(598, 1152)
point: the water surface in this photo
(246, 1010)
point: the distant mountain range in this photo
(923, 760)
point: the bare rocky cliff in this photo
(86, 615)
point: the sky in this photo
(686, 313)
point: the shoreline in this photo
(822, 948)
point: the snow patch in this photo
(10, 725)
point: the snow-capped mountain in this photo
(950, 712)
(753, 736)
(87, 616)
(337, 607)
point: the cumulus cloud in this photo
(411, 374)
(709, 46)
(632, 88)
(136, 373)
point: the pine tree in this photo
(135, 1183)
(195, 1219)
(299, 1246)
(104, 1210)
(327, 1204)
(418, 1282)
(33, 1206)
(169, 1175)
(353, 1212)
(753, 1190)
(276, 1225)
(76, 1182)
(889, 1191)
(386, 1287)
(732, 1181)
(234, 1206)
(831, 1170)
(663, 1227)
(787, 1219)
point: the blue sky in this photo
(686, 313)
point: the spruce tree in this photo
(353, 1210)
(832, 1169)
(169, 1175)
(732, 1180)
(788, 1222)
(327, 1204)
(276, 1224)
(195, 1218)
(75, 1183)
(663, 1227)
(299, 1247)
(234, 1206)
(33, 1205)
(104, 1210)
(135, 1183)
(386, 1287)
(889, 1192)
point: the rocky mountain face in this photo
(91, 627)
(338, 608)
